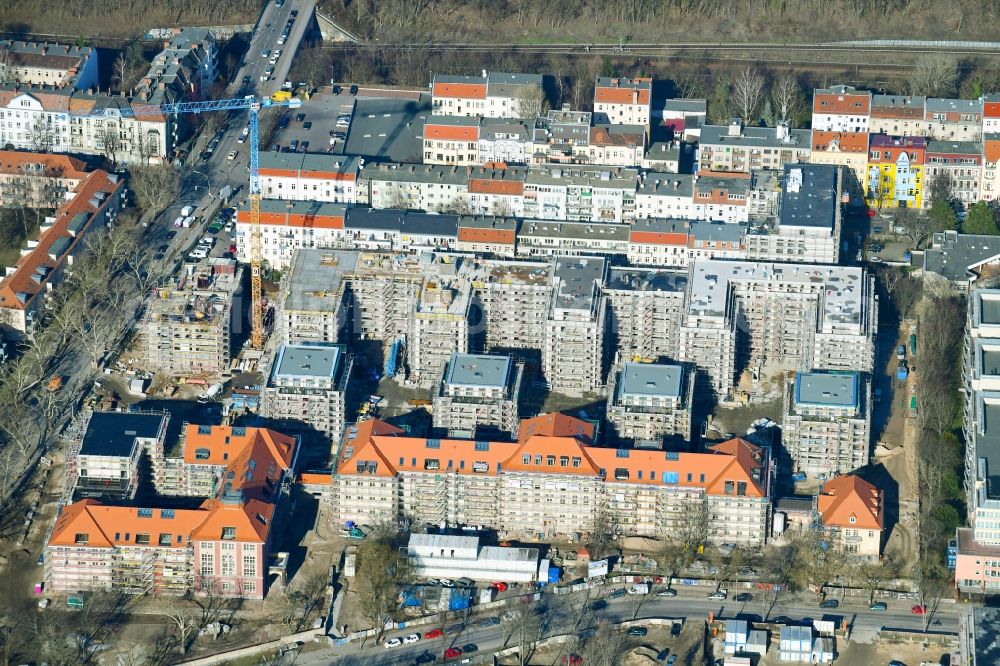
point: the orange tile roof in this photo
(24, 279)
(850, 496)
(555, 424)
(251, 520)
(475, 235)
(658, 238)
(847, 104)
(846, 142)
(991, 109)
(545, 444)
(991, 150)
(621, 92)
(488, 186)
(600, 136)
(315, 478)
(450, 132)
(55, 166)
(460, 90)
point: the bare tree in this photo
(531, 104)
(155, 186)
(607, 646)
(524, 630)
(872, 574)
(379, 572)
(111, 143)
(819, 559)
(748, 93)
(43, 135)
(601, 537)
(118, 71)
(787, 96)
(934, 75)
(184, 626)
(305, 599)
(312, 66)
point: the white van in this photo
(179, 221)
(187, 210)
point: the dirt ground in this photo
(912, 654)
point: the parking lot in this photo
(381, 128)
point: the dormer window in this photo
(228, 533)
(853, 519)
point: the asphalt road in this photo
(687, 605)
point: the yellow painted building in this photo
(895, 172)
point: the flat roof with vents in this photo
(827, 388)
(654, 379)
(483, 370)
(809, 196)
(312, 360)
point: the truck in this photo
(901, 371)
(901, 352)
(187, 210)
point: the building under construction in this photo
(188, 324)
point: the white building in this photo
(582, 193)
(309, 177)
(651, 402)
(623, 101)
(492, 95)
(573, 355)
(841, 109)
(451, 140)
(288, 226)
(452, 557)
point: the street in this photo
(689, 604)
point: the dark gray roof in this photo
(424, 224)
(946, 105)
(387, 128)
(754, 136)
(491, 127)
(114, 433)
(809, 196)
(693, 106)
(960, 147)
(316, 208)
(487, 222)
(953, 254)
(704, 230)
(646, 279)
(504, 84)
(667, 184)
(987, 439)
(578, 278)
(478, 370)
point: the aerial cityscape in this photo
(509, 333)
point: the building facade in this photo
(651, 403)
(477, 396)
(306, 388)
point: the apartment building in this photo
(95, 202)
(665, 156)
(187, 326)
(581, 193)
(844, 149)
(287, 226)
(451, 140)
(221, 547)
(492, 95)
(571, 137)
(573, 352)
(898, 115)
(39, 180)
(506, 141)
(936, 119)
(623, 101)
(399, 231)
(807, 228)
(665, 195)
(961, 259)
(413, 186)
(896, 168)
(105, 449)
(313, 306)
(306, 388)
(790, 316)
(318, 177)
(42, 63)
(677, 243)
(489, 236)
(978, 557)
(721, 196)
(989, 189)
(853, 510)
(959, 163)
(550, 238)
(644, 309)
(738, 148)
(841, 109)
(439, 323)
(551, 482)
(477, 396)
(514, 299)
(650, 404)
(685, 117)
(496, 190)
(826, 423)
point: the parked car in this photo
(299, 117)
(433, 633)
(499, 586)
(718, 595)
(392, 642)
(412, 638)
(638, 631)
(336, 90)
(744, 596)
(669, 592)
(307, 124)
(598, 604)
(452, 653)
(489, 622)
(675, 630)
(354, 90)
(919, 609)
(425, 658)
(829, 603)
(471, 647)
(232, 155)
(616, 594)
(878, 606)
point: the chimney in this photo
(484, 73)
(735, 126)
(781, 132)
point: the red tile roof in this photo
(460, 90)
(857, 104)
(54, 166)
(450, 132)
(845, 142)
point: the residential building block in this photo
(896, 172)
(841, 109)
(306, 388)
(623, 101)
(314, 177)
(853, 510)
(650, 403)
(739, 148)
(573, 352)
(477, 396)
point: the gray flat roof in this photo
(311, 208)
(832, 389)
(647, 279)
(424, 224)
(485, 370)
(670, 184)
(316, 279)
(956, 147)
(809, 196)
(610, 231)
(453, 121)
(987, 439)
(686, 105)
(114, 433)
(387, 129)
(307, 360)
(651, 379)
(269, 159)
(944, 105)
(491, 127)
(577, 175)
(705, 230)
(416, 173)
(578, 279)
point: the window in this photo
(201, 454)
(853, 520)
(228, 565)
(564, 461)
(166, 513)
(576, 461)
(145, 513)
(229, 533)
(538, 458)
(729, 486)
(81, 538)
(550, 461)
(142, 539)
(250, 565)
(166, 539)
(207, 564)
